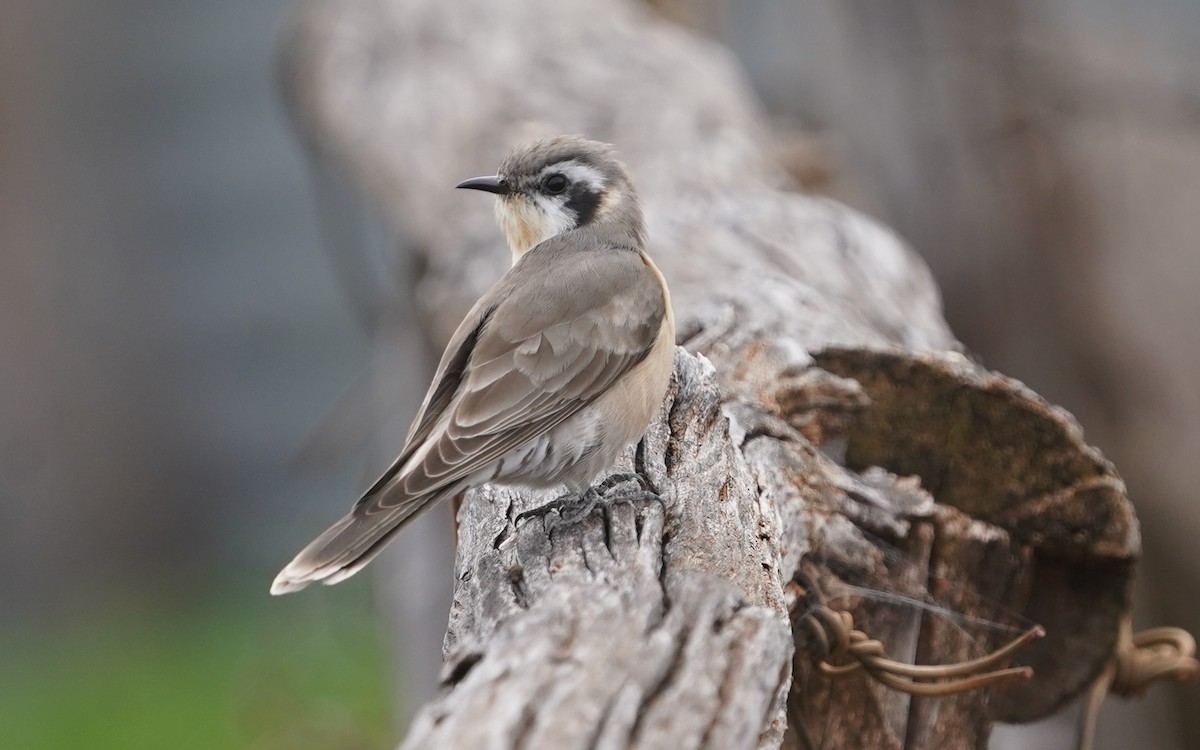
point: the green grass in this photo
(239, 671)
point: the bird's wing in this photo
(548, 339)
(553, 338)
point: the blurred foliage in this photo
(235, 669)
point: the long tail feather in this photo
(346, 547)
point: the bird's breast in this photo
(624, 412)
(589, 442)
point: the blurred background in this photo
(175, 322)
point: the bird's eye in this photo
(554, 184)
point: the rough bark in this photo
(821, 409)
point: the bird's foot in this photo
(574, 507)
(616, 480)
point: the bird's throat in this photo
(526, 225)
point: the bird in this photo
(558, 368)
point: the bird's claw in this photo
(616, 480)
(573, 507)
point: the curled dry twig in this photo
(1138, 660)
(838, 649)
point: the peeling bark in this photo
(820, 421)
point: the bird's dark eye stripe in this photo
(584, 203)
(555, 183)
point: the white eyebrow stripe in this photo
(576, 172)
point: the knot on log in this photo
(997, 457)
(838, 650)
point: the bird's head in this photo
(559, 184)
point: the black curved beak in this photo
(490, 184)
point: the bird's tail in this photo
(347, 546)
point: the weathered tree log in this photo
(821, 408)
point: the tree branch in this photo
(822, 408)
